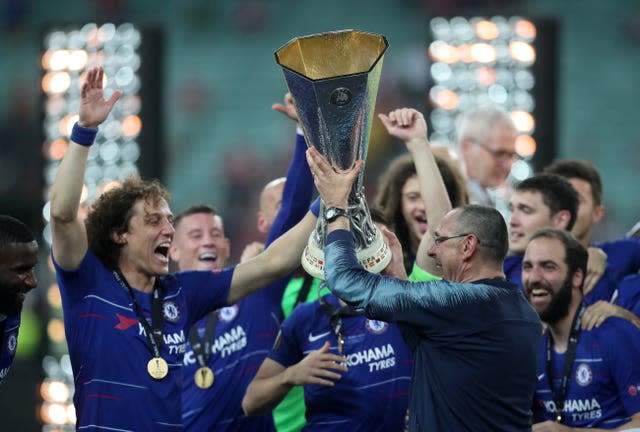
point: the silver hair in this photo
(477, 123)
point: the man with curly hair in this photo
(126, 317)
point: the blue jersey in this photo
(605, 378)
(512, 268)
(623, 258)
(373, 395)
(244, 334)
(109, 349)
(629, 293)
(9, 337)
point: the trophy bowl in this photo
(333, 78)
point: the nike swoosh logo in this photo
(540, 377)
(313, 338)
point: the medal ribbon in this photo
(153, 332)
(335, 319)
(560, 396)
(202, 347)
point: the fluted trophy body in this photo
(334, 79)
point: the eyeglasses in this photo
(438, 240)
(502, 155)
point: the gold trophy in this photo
(334, 78)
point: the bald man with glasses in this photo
(474, 337)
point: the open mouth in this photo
(422, 223)
(209, 257)
(162, 252)
(538, 292)
(539, 295)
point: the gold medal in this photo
(204, 377)
(157, 368)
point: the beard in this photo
(559, 305)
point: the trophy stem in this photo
(371, 249)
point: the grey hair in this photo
(489, 227)
(478, 123)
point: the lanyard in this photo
(153, 332)
(304, 289)
(335, 319)
(560, 396)
(202, 347)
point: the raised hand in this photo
(288, 108)
(93, 108)
(396, 266)
(406, 124)
(319, 367)
(251, 250)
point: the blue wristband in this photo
(83, 135)
(315, 207)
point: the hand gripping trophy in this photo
(334, 78)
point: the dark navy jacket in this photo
(475, 345)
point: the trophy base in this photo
(374, 258)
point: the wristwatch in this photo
(333, 213)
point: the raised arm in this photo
(68, 231)
(382, 297)
(282, 256)
(296, 197)
(298, 187)
(278, 260)
(409, 125)
(273, 381)
(434, 305)
(287, 108)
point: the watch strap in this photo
(333, 213)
